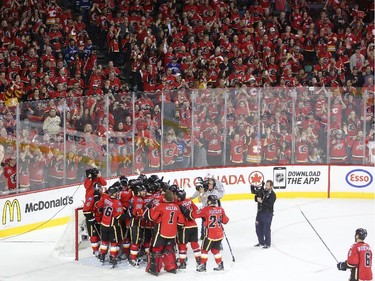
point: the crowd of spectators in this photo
(263, 81)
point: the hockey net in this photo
(75, 237)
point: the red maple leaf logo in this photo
(256, 178)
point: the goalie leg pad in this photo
(155, 263)
(169, 259)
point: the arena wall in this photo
(35, 210)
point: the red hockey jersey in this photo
(112, 210)
(360, 261)
(167, 216)
(213, 218)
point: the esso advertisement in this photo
(359, 178)
(352, 179)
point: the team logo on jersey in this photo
(238, 149)
(168, 152)
(206, 50)
(13, 178)
(352, 127)
(303, 148)
(272, 147)
(359, 178)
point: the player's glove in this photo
(91, 221)
(150, 204)
(342, 266)
(90, 218)
(185, 211)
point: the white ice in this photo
(297, 253)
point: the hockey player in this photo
(93, 185)
(125, 196)
(167, 216)
(359, 258)
(113, 213)
(136, 230)
(148, 225)
(205, 189)
(213, 216)
(188, 233)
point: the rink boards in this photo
(52, 207)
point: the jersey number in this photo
(171, 216)
(367, 259)
(213, 221)
(108, 211)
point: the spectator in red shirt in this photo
(10, 172)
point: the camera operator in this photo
(265, 197)
(205, 188)
(93, 185)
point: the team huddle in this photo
(147, 217)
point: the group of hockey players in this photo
(147, 219)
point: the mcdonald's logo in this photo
(13, 207)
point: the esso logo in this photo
(358, 178)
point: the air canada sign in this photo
(225, 179)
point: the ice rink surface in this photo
(297, 253)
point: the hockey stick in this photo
(318, 235)
(97, 231)
(230, 248)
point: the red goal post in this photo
(74, 236)
(76, 232)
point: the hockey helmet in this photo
(140, 188)
(112, 190)
(173, 188)
(118, 185)
(361, 233)
(212, 200)
(164, 186)
(153, 179)
(181, 194)
(124, 181)
(142, 177)
(151, 188)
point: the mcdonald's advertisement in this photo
(26, 212)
